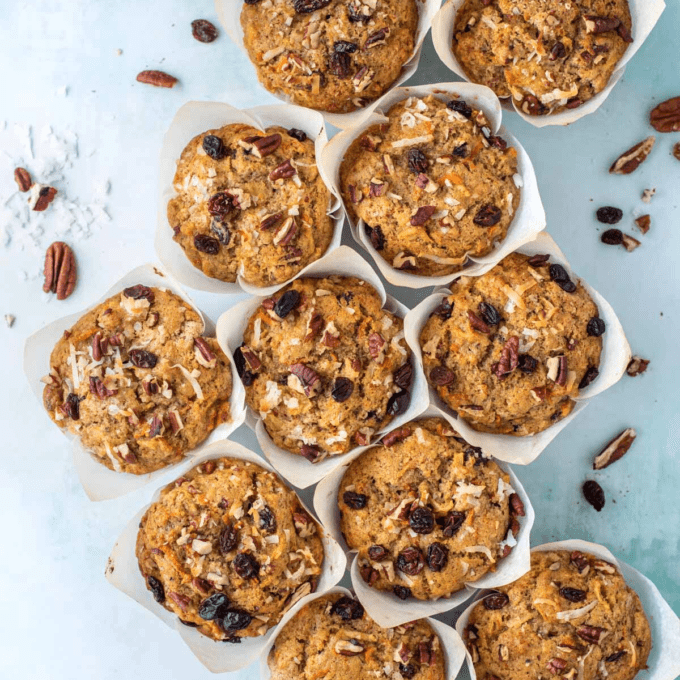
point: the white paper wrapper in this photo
(195, 118)
(230, 328)
(229, 13)
(529, 219)
(451, 643)
(613, 362)
(664, 659)
(122, 571)
(384, 607)
(645, 14)
(99, 482)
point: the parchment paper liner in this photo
(451, 643)
(195, 118)
(99, 482)
(230, 328)
(122, 571)
(613, 362)
(229, 14)
(664, 659)
(529, 219)
(645, 14)
(387, 609)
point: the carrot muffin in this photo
(330, 55)
(252, 203)
(432, 186)
(571, 616)
(324, 366)
(509, 350)
(333, 638)
(427, 512)
(229, 548)
(136, 381)
(546, 56)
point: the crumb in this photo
(647, 195)
(119, 52)
(9, 320)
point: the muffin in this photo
(229, 548)
(571, 616)
(427, 512)
(509, 350)
(547, 57)
(326, 54)
(333, 638)
(136, 382)
(251, 203)
(324, 366)
(433, 185)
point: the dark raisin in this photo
(558, 51)
(474, 452)
(407, 670)
(206, 244)
(189, 624)
(538, 260)
(403, 376)
(286, 303)
(559, 275)
(489, 313)
(588, 377)
(411, 561)
(214, 147)
(487, 215)
(376, 236)
(377, 553)
(221, 204)
(421, 520)
(345, 46)
(340, 64)
(355, 14)
(594, 494)
(342, 389)
(496, 601)
(228, 538)
(247, 378)
(441, 376)
(309, 6)
(138, 292)
(417, 161)
(235, 619)
(300, 135)
(452, 522)
(156, 588)
(612, 237)
(615, 656)
(573, 594)
(267, 520)
(246, 566)
(348, 609)
(443, 310)
(461, 107)
(398, 403)
(595, 327)
(402, 592)
(609, 215)
(251, 2)
(203, 30)
(221, 232)
(354, 500)
(461, 151)
(527, 363)
(143, 359)
(213, 607)
(437, 556)
(72, 406)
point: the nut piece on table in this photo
(41, 196)
(666, 116)
(23, 179)
(643, 223)
(157, 79)
(637, 366)
(631, 160)
(615, 449)
(60, 270)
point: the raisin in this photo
(421, 520)
(206, 244)
(398, 403)
(251, 2)
(443, 310)
(558, 51)
(214, 147)
(72, 406)
(417, 161)
(213, 607)
(340, 64)
(286, 303)
(489, 313)
(143, 359)
(377, 553)
(221, 204)
(609, 215)
(559, 275)
(403, 376)
(342, 389)
(461, 107)
(527, 363)
(612, 237)
(461, 151)
(203, 30)
(267, 520)
(348, 609)
(595, 327)
(138, 292)
(228, 538)
(246, 566)
(594, 494)
(411, 561)
(189, 624)
(441, 376)
(538, 260)
(407, 670)
(473, 452)
(345, 46)
(354, 500)
(615, 656)
(487, 215)
(221, 232)
(355, 14)
(588, 377)
(235, 619)
(156, 588)
(376, 236)
(452, 522)
(247, 378)
(573, 594)
(437, 556)
(300, 135)
(402, 592)
(496, 601)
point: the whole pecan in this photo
(631, 160)
(263, 146)
(283, 171)
(60, 270)
(311, 382)
(156, 78)
(509, 358)
(23, 179)
(666, 116)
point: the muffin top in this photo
(509, 350)
(546, 56)
(427, 512)
(571, 616)
(229, 548)
(136, 382)
(432, 186)
(250, 202)
(330, 55)
(324, 365)
(333, 638)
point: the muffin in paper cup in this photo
(195, 118)
(664, 659)
(229, 13)
(98, 481)
(614, 359)
(122, 571)
(644, 17)
(451, 643)
(230, 329)
(385, 607)
(529, 218)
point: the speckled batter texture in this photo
(137, 383)
(572, 616)
(331, 55)
(229, 548)
(255, 203)
(334, 639)
(330, 373)
(427, 489)
(433, 185)
(547, 56)
(509, 350)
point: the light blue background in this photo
(60, 619)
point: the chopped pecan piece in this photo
(509, 358)
(422, 215)
(637, 366)
(631, 160)
(643, 223)
(311, 382)
(615, 449)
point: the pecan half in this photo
(283, 171)
(156, 78)
(398, 435)
(422, 215)
(509, 358)
(637, 366)
(556, 665)
(60, 270)
(286, 232)
(311, 382)
(263, 146)
(516, 505)
(204, 355)
(477, 323)
(375, 344)
(590, 633)
(271, 221)
(41, 197)
(615, 449)
(666, 116)
(23, 179)
(631, 160)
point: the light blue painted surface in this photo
(60, 619)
